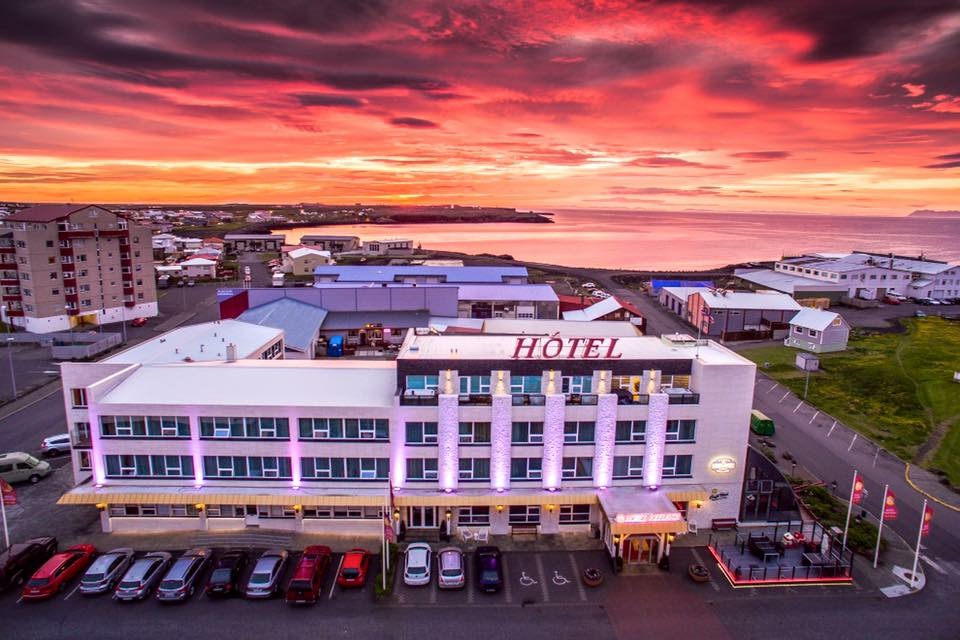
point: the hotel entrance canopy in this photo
(635, 510)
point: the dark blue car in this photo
(489, 569)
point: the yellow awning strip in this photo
(687, 496)
(226, 498)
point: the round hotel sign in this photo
(723, 464)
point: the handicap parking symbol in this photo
(526, 580)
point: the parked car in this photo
(265, 580)
(106, 571)
(488, 568)
(138, 322)
(227, 572)
(182, 577)
(888, 299)
(181, 282)
(23, 467)
(55, 445)
(307, 580)
(191, 283)
(353, 571)
(589, 285)
(142, 576)
(919, 314)
(19, 561)
(416, 564)
(451, 573)
(934, 302)
(59, 570)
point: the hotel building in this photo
(632, 438)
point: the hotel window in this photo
(144, 466)
(577, 468)
(421, 468)
(85, 463)
(245, 428)
(577, 384)
(677, 466)
(78, 398)
(526, 433)
(275, 511)
(525, 384)
(628, 466)
(252, 467)
(474, 469)
(474, 384)
(626, 382)
(474, 433)
(675, 382)
(473, 516)
(574, 514)
(344, 429)
(421, 433)
(631, 431)
(579, 431)
(681, 430)
(526, 468)
(524, 514)
(423, 382)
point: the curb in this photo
(906, 476)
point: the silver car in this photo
(180, 581)
(104, 574)
(265, 580)
(450, 568)
(142, 576)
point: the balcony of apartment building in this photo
(529, 399)
(7, 246)
(128, 300)
(475, 399)
(9, 278)
(418, 397)
(581, 398)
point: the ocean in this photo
(671, 241)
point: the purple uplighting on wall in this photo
(195, 449)
(656, 436)
(606, 435)
(448, 441)
(96, 455)
(553, 440)
(295, 451)
(500, 436)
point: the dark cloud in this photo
(327, 100)
(670, 161)
(943, 165)
(948, 156)
(413, 123)
(317, 16)
(659, 191)
(525, 134)
(761, 156)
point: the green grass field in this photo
(898, 389)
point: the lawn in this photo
(898, 389)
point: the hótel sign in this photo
(554, 347)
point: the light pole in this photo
(13, 375)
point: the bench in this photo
(723, 524)
(524, 530)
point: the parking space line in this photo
(335, 576)
(576, 577)
(543, 578)
(506, 580)
(696, 556)
(471, 592)
(434, 588)
(73, 591)
(784, 396)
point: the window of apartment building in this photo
(524, 514)
(677, 466)
(28, 292)
(85, 461)
(579, 431)
(145, 426)
(526, 433)
(245, 428)
(85, 303)
(144, 466)
(140, 297)
(577, 468)
(28, 307)
(631, 431)
(421, 469)
(84, 287)
(423, 382)
(70, 290)
(49, 244)
(577, 384)
(477, 516)
(250, 467)
(344, 429)
(139, 281)
(54, 275)
(51, 259)
(81, 432)
(21, 244)
(83, 274)
(421, 433)
(345, 468)
(82, 257)
(21, 260)
(474, 433)
(574, 514)
(474, 384)
(628, 467)
(681, 430)
(526, 468)
(474, 469)
(525, 384)
(24, 275)
(78, 398)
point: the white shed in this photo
(818, 331)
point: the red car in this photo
(307, 580)
(56, 572)
(353, 571)
(138, 322)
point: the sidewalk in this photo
(930, 485)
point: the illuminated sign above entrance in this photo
(537, 348)
(723, 464)
(637, 518)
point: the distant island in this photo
(930, 213)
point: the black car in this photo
(19, 561)
(225, 579)
(488, 568)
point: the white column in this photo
(448, 441)
(398, 439)
(554, 413)
(606, 435)
(196, 450)
(656, 437)
(501, 428)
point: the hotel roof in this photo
(271, 383)
(353, 273)
(749, 300)
(299, 321)
(599, 328)
(338, 320)
(200, 342)
(841, 263)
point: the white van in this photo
(23, 467)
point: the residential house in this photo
(302, 261)
(818, 331)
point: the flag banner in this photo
(9, 495)
(927, 519)
(890, 507)
(857, 489)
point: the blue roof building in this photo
(299, 321)
(414, 274)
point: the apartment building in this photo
(634, 438)
(63, 265)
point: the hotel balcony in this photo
(625, 397)
(475, 399)
(682, 396)
(529, 399)
(418, 397)
(581, 398)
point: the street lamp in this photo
(13, 375)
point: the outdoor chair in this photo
(482, 535)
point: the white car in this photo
(589, 285)
(55, 445)
(416, 564)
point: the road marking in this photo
(74, 591)
(814, 417)
(526, 581)
(784, 396)
(559, 579)
(471, 590)
(775, 385)
(832, 427)
(27, 406)
(696, 556)
(799, 404)
(933, 565)
(433, 592)
(508, 595)
(852, 441)
(875, 456)
(20, 599)
(335, 576)
(543, 578)
(576, 572)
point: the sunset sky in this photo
(849, 106)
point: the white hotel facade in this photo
(634, 438)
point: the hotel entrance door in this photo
(642, 549)
(422, 517)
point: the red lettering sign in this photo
(535, 348)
